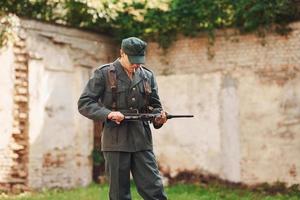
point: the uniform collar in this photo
(120, 72)
(122, 75)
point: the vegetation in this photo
(8, 24)
(159, 20)
(176, 192)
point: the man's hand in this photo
(115, 116)
(161, 119)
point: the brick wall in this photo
(14, 154)
(6, 114)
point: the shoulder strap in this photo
(147, 88)
(112, 78)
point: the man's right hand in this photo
(115, 116)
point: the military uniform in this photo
(127, 146)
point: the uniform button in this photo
(133, 99)
(134, 89)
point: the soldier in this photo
(126, 86)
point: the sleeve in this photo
(88, 103)
(154, 101)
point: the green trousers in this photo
(144, 170)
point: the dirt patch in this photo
(191, 177)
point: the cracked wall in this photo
(245, 101)
(6, 114)
(14, 147)
(45, 139)
(61, 140)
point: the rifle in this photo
(149, 116)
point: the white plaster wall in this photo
(270, 127)
(230, 130)
(246, 125)
(85, 131)
(61, 140)
(52, 131)
(191, 143)
(6, 109)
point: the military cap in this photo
(135, 49)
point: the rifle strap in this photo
(147, 88)
(112, 78)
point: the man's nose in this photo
(136, 65)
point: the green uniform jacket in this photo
(96, 101)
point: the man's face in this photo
(129, 66)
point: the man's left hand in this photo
(161, 119)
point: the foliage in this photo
(178, 192)
(252, 14)
(67, 12)
(8, 25)
(191, 17)
(195, 16)
(159, 20)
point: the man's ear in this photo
(121, 52)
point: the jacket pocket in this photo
(120, 97)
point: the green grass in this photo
(176, 192)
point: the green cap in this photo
(135, 49)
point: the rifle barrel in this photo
(147, 117)
(178, 116)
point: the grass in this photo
(175, 192)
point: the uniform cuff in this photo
(104, 114)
